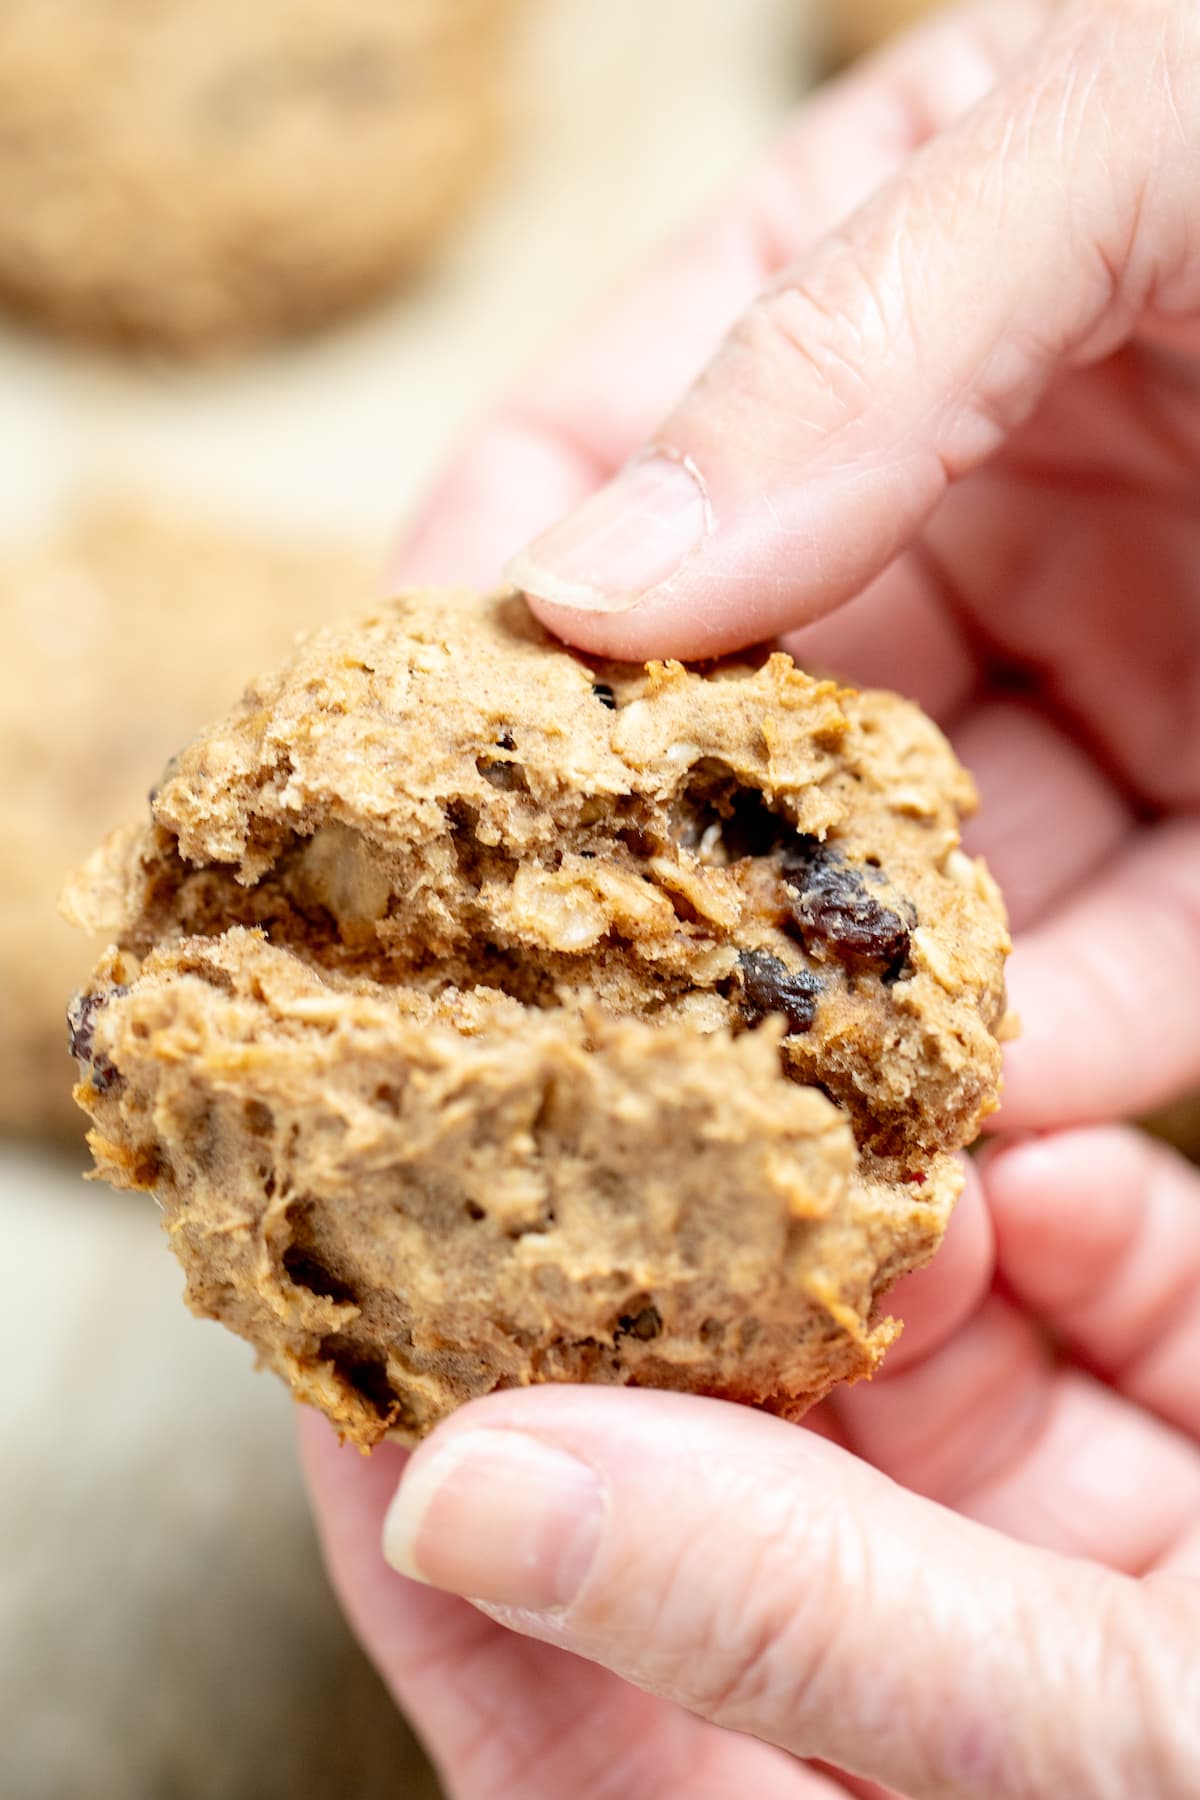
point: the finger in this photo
(406, 1629)
(573, 422)
(985, 1394)
(1104, 1480)
(897, 634)
(504, 484)
(499, 1714)
(1106, 992)
(994, 1427)
(900, 352)
(1184, 1557)
(1039, 555)
(936, 1301)
(1048, 817)
(773, 1583)
(864, 1790)
(1098, 1234)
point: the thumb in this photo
(763, 1578)
(902, 350)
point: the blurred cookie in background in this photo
(850, 27)
(123, 635)
(190, 177)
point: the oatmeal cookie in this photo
(185, 177)
(121, 632)
(482, 1014)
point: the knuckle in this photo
(820, 341)
(1148, 1679)
(767, 1646)
(1128, 42)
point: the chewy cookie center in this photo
(699, 901)
(482, 1015)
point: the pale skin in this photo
(969, 385)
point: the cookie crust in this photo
(441, 903)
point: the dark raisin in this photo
(81, 1023)
(506, 741)
(81, 1031)
(605, 695)
(103, 1074)
(831, 905)
(769, 986)
(644, 1325)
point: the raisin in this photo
(605, 695)
(643, 1325)
(832, 905)
(103, 1074)
(769, 986)
(81, 1029)
(81, 1024)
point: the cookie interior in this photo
(512, 851)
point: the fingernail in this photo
(497, 1516)
(630, 537)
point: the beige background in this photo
(167, 1631)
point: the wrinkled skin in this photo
(970, 386)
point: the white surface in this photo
(167, 1628)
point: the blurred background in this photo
(254, 282)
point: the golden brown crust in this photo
(438, 962)
(189, 177)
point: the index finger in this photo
(567, 428)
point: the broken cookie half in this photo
(483, 1015)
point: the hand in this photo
(973, 403)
